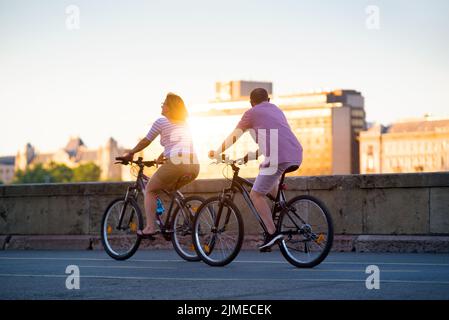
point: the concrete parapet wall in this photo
(342, 243)
(389, 204)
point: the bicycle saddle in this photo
(291, 169)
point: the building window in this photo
(370, 164)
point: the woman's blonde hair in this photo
(176, 107)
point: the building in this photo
(6, 169)
(326, 123)
(74, 154)
(419, 145)
(239, 90)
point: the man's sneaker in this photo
(270, 240)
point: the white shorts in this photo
(266, 182)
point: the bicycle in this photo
(123, 217)
(304, 221)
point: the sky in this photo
(109, 77)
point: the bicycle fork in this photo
(216, 218)
(122, 213)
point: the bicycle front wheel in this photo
(182, 226)
(218, 232)
(308, 231)
(119, 226)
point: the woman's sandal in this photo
(149, 236)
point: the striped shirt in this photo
(176, 138)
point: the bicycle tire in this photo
(196, 228)
(330, 233)
(105, 242)
(176, 245)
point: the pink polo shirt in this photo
(263, 118)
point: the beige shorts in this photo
(174, 176)
(266, 182)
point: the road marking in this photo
(356, 263)
(64, 259)
(87, 259)
(220, 279)
(353, 270)
(393, 263)
(305, 270)
(236, 261)
(127, 267)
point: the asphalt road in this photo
(253, 275)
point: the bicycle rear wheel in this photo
(308, 231)
(121, 241)
(218, 232)
(182, 227)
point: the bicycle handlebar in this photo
(223, 158)
(139, 162)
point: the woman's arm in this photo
(145, 142)
(139, 147)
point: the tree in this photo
(36, 174)
(86, 172)
(60, 172)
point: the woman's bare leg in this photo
(150, 204)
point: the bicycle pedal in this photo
(265, 250)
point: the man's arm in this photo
(228, 142)
(244, 124)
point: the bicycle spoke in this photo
(306, 248)
(208, 224)
(222, 250)
(224, 232)
(295, 249)
(182, 228)
(228, 244)
(306, 227)
(119, 243)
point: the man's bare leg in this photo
(261, 205)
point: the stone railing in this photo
(389, 204)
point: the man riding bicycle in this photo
(277, 143)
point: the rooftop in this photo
(425, 125)
(8, 161)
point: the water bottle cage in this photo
(160, 207)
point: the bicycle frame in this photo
(237, 185)
(137, 188)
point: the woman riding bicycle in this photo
(181, 160)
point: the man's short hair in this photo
(259, 95)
